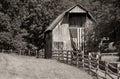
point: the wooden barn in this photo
(67, 31)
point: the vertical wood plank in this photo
(83, 59)
(11, 50)
(36, 53)
(58, 55)
(89, 61)
(67, 57)
(40, 53)
(63, 56)
(20, 53)
(77, 60)
(71, 53)
(118, 71)
(106, 69)
(97, 63)
(3, 50)
(29, 52)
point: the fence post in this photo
(83, 59)
(20, 53)
(40, 53)
(118, 71)
(63, 56)
(3, 50)
(89, 61)
(23, 52)
(58, 55)
(11, 51)
(71, 57)
(36, 53)
(77, 59)
(106, 69)
(67, 57)
(29, 52)
(97, 63)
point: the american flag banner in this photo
(77, 37)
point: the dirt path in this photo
(22, 67)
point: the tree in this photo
(26, 20)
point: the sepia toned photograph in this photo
(59, 39)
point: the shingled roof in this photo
(59, 18)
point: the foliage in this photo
(23, 21)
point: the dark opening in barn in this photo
(77, 19)
(76, 22)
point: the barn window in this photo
(58, 45)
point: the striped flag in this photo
(77, 37)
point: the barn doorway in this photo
(77, 19)
(76, 27)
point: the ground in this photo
(24, 67)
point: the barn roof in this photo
(59, 18)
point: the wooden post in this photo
(99, 55)
(36, 53)
(62, 56)
(106, 69)
(29, 52)
(39, 53)
(118, 71)
(83, 59)
(20, 52)
(58, 55)
(11, 51)
(42, 53)
(97, 63)
(89, 60)
(71, 57)
(67, 57)
(3, 50)
(77, 59)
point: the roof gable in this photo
(77, 9)
(73, 9)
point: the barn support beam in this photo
(48, 45)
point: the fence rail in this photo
(90, 62)
(110, 54)
(37, 53)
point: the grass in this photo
(110, 58)
(24, 67)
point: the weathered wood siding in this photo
(61, 34)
